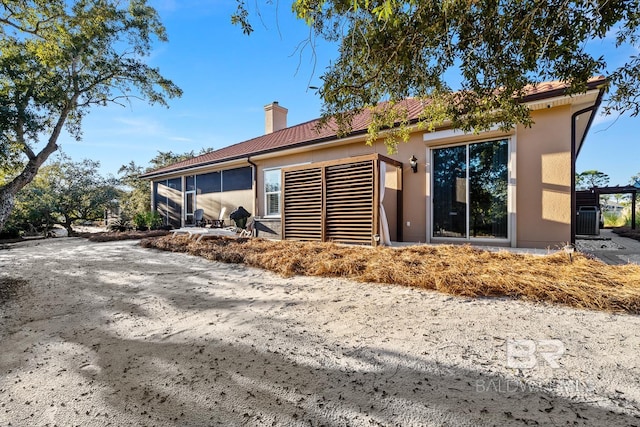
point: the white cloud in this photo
(180, 139)
(139, 126)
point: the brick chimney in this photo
(275, 117)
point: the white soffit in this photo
(558, 101)
(454, 135)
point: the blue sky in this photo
(228, 77)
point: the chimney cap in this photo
(274, 104)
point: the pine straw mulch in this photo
(456, 270)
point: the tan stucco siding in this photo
(414, 209)
(542, 176)
(544, 180)
(539, 176)
(413, 184)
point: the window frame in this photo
(267, 193)
(468, 238)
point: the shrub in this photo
(153, 220)
(140, 221)
(118, 225)
(10, 232)
(627, 220)
(613, 219)
(149, 220)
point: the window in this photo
(226, 180)
(272, 191)
(190, 183)
(450, 192)
(470, 190)
(209, 183)
(237, 179)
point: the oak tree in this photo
(64, 192)
(393, 49)
(58, 60)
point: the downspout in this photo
(255, 185)
(574, 156)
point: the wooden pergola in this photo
(627, 189)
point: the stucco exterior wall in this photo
(544, 180)
(539, 199)
(413, 208)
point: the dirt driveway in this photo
(112, 334)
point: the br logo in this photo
(525, 354)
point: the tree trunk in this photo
(67, 225)
(7, 201)
(8, 192)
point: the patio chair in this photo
(187, 230)
(229, 232)
(198, 217)
(219, 223)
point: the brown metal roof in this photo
(309, 133)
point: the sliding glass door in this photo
(450, 192)
(470, 191)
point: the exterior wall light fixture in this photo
(413, 162)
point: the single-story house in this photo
(496, 188)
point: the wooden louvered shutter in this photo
(302, 204)
(349, 202)
(336, 200)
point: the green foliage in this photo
(10, 231)
(136, 196)
(58, 60)
(624, 220)
(118, 224)
(62, 193)
(35, 208)
(393, 49)
(136, 193)
(139, 220)
(614, 219)
(153, 220)
(166, 158)
(591, 178)
(150, 220)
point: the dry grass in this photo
(457, 270)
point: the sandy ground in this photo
(112, 334)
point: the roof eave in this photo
(529, 99)
(562, 91)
